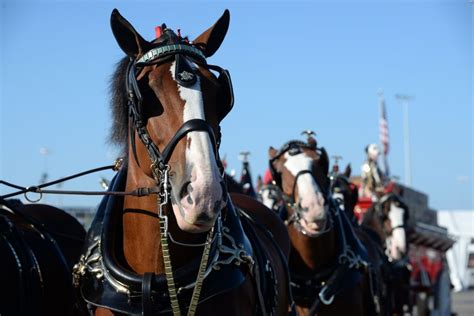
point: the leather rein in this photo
(296, 147)
(145, 191)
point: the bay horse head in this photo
(269, 193)
(393, 213)
(175, 105)
(270, 196)
(388, 217)
(300, 170)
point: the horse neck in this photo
(310, 254)
(141, 228)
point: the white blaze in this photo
(200, 159)
(310, 195)
(398, 240)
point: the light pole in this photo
(45, 153)
(404, 100)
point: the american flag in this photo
(383, 128)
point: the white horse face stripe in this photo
(204, 193)
(398, 238)
(396, 215)
(311, 197)
(297, 163)
(200, 153)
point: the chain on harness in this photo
(178, 49)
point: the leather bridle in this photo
(159, 159)
(296, 147)
(173, 47)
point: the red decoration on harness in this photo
(267, 177)
(158, 31)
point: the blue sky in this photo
(294, 65)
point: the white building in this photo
(460, 224)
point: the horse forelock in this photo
(118, 104)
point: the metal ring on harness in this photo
(33, 189)
(323, 299)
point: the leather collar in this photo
(105, 281)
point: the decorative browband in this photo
(171, 49)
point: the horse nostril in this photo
(190, 200)
(186, 189)
(203, 217)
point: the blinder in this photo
(226, 92)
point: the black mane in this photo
(118, 105)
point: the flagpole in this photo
(383, 115)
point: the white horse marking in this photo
(398, 239)
(201, 164)
(311, 197)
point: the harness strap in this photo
(257, 280)
(188, 126)
(146, 294)
(250, 229)
(300, 173)
(397, 227)
(373, 285)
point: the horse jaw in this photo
(398, 239)
(199, 196)
(313, 218)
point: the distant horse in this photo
(184, 245)
(270, 194)
(39, 245)
(327, 261)
(346, 195)
(387, 219)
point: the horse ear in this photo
(212, 38)
(272, 152)
(312, 142)
(126, 36)
(347, 172)
(324, 161)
